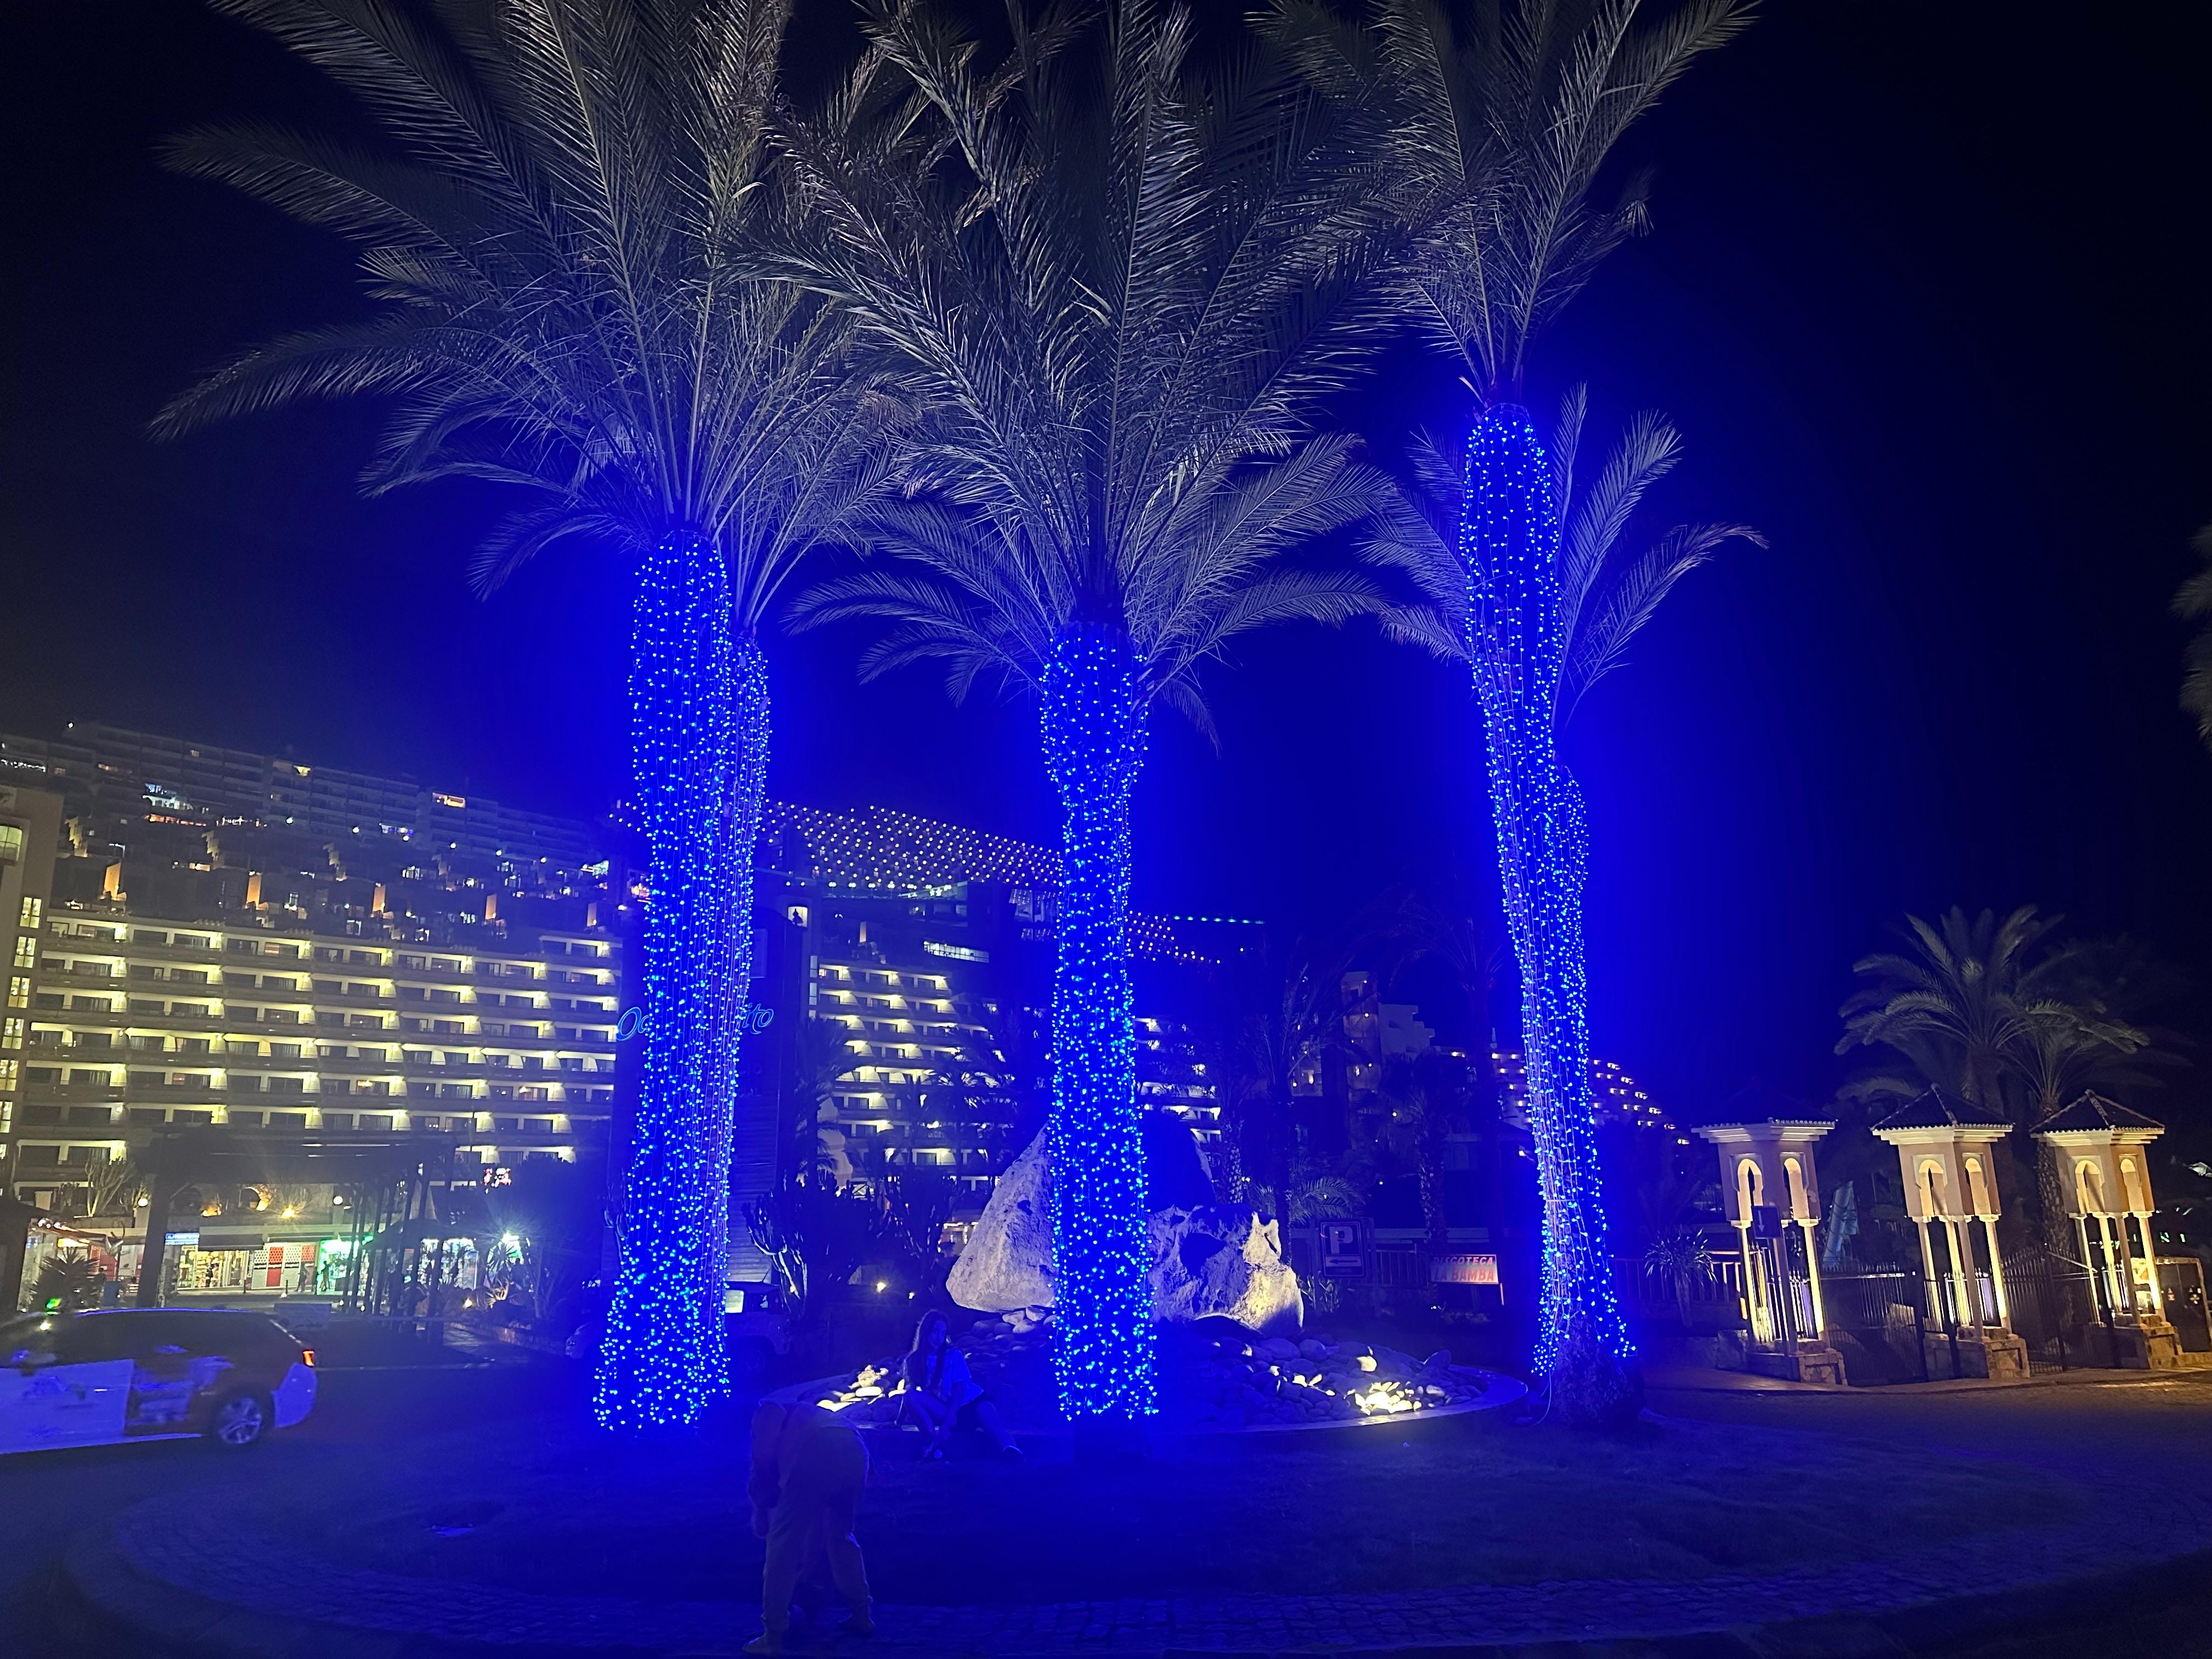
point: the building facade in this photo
(30, 832)
(930, 948)
(261, 969)
(140, 1023)
(216, 948)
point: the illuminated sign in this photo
(958, 952)
(1463, 1270)
(458, 803)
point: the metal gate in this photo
(1878, 1321)
(2181, 1290)
(2052, 1302)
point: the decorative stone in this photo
(1209, 1260)
(1007, 1266)
(1221, 1260)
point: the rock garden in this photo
(1215, 1376)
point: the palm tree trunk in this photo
(1094, 746)
(1509, 534)
(1429, 1169)
(662, 1359)
(744, 1151)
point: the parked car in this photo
(122, 1374)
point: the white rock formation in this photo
(1222, 1262)
(1006, 1267)
(1209, 1260)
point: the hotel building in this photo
(931, 946)
(302, 960)
(297, 963)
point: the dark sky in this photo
(1925, 294)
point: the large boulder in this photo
(1222, 1262)
(1209, 1260)
(1006, 1267)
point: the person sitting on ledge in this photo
(808, 1470)
(941, 1394)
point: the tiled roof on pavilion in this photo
(2092, 1111)
(1939, 1108)
(1760, 1102)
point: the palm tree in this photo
(2092, 1028)
(1497, 126)
(1972, 1008)
(2194, 604)
(1953, 1004)
(1540, 636)
(1428, 1096)
(552, 222)
(1288, 1020)
(823, 1055)
(1123, 293)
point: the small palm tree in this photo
(823, 1055)
(1123, 293)
(1681, 1259)
(1428, 1096)
(552, 220)
(1496, 121)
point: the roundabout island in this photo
(1894, 1520)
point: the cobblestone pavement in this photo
(2159, 1429)
(241, 1567)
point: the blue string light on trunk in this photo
(662, 1358)
(1508, 545)
(1093, 729)
(748, 797)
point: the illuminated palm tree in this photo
(1498, 121)
(552, 220)
(1536, 656)
(1123, 294)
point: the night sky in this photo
(1925, 294)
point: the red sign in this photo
(1463, 1270)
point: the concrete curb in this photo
(114, 1607)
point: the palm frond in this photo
(1122, 292)
(1497, 132)
(1632, 598)
(1647, 452)
(556, 210)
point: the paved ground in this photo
(2120, 1437)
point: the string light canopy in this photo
(878, 849)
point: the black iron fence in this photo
(2181, 1290)
(2053, 1303)
(1877, 1320)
